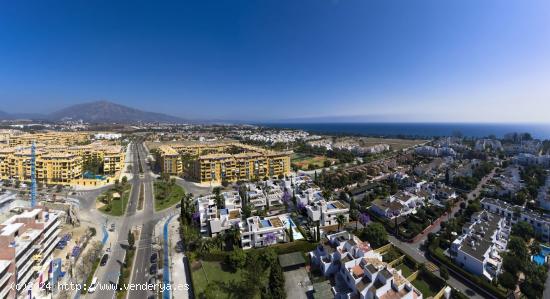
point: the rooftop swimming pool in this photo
(540, 258)
(265, 223)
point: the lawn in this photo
(427, 289)
(212, 272)
(406, 271)
(167, 194)
(115, 206)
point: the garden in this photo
(167, 193)
(114, 201)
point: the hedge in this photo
(284, 248)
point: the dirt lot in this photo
(303, 161)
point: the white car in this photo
(93, 285)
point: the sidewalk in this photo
(177, 265)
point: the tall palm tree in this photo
(340, 219)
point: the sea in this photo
(421, 130)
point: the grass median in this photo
(114, 201)
(167, 194)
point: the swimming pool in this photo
(265, 223)
(540, 258)
(296, 235)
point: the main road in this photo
(146, 218)
(108, 274)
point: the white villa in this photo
(478, 248)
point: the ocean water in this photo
(540, 131)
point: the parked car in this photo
(113, 227)
(153, 270)
(154, 258)
(104, 260)
(152, 281)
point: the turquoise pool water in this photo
(539, 259)
(295, 232)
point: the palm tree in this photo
(341, 219)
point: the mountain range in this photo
(97, 112)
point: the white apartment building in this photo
(327, 212)
(338, 248)
(544, 195)
(513, 214)
(488, 144)
(399, 204)
(27, 241)
(369, 277)
(213, 220)
(430, 151)
(526, 146)
(530, 159)
(478, 248)
(232, 200)
(359, 271)
(258, 232)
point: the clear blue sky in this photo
(452, 60)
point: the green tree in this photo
(131, 239)
(375, 234)
(535, 277)
(237, 259)
(218, 199)
(253, 275)
(534, 248)
(507, 280)
(518, 249)
(341, 220)
(524, 230)
(276, 282)
(343, 196)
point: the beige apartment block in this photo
(218, 162)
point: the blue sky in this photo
(453, 60)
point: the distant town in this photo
(160, 210)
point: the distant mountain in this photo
(107, 112)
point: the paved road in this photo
(108, 274)
(140, 271)
(145, 219)
(192, 187)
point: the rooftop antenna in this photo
(33, 175)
